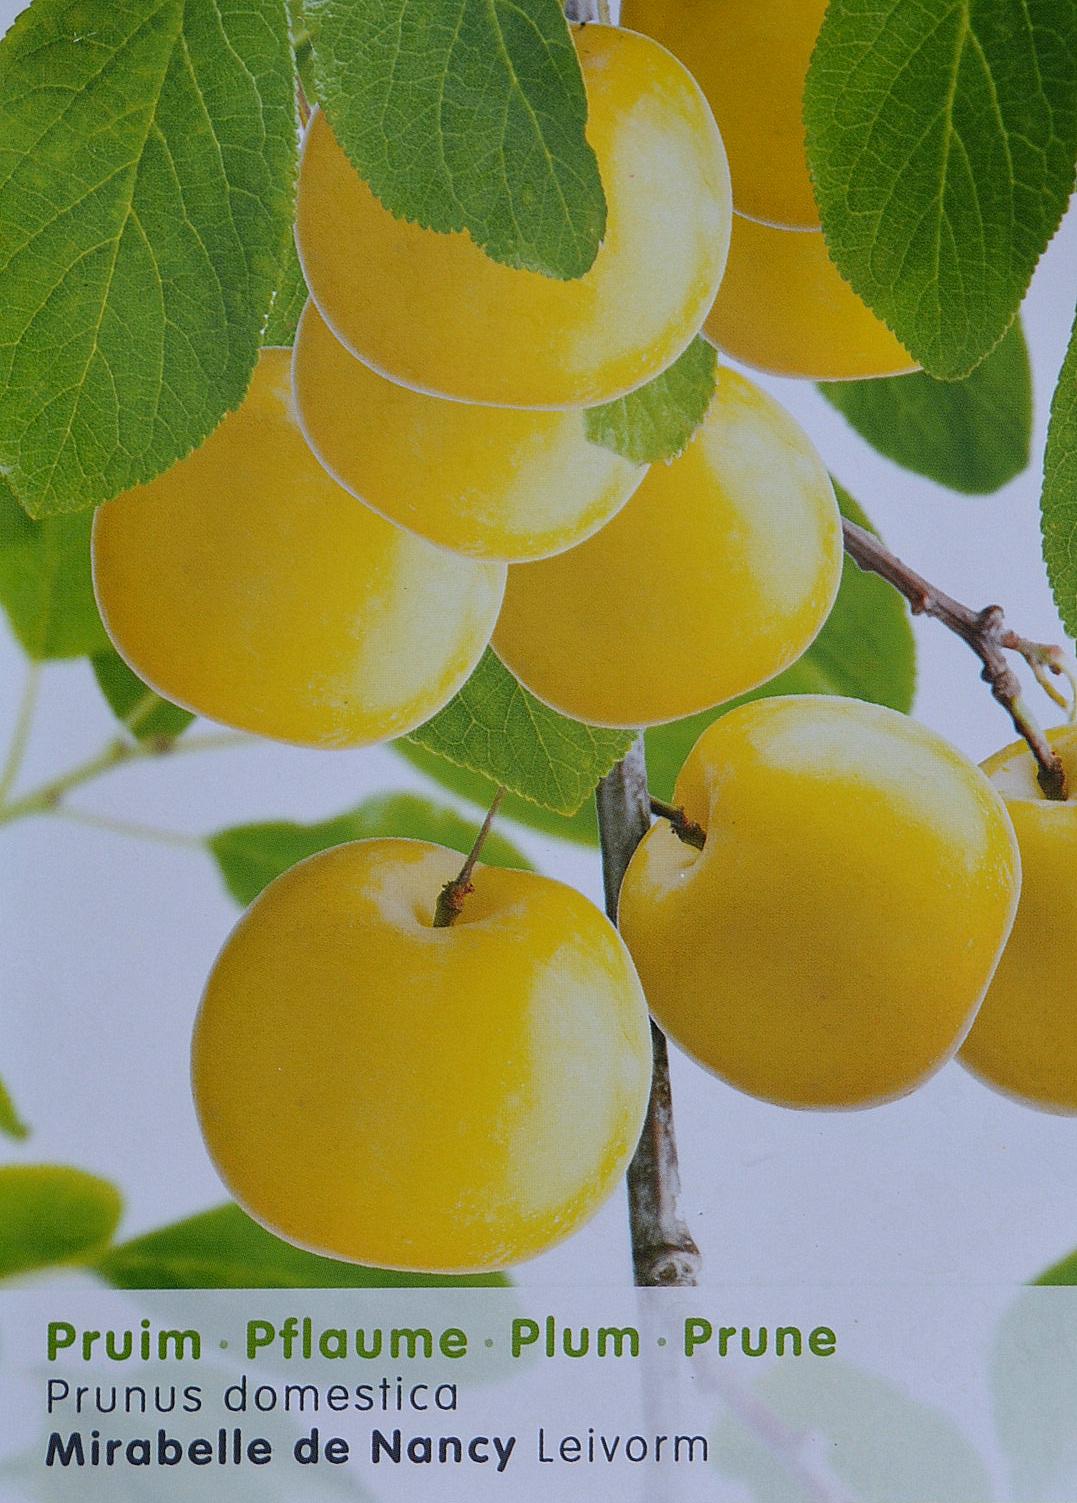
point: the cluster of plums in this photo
(415, 480)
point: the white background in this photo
(105, 941)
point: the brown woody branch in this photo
(984, 631)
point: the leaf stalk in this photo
(21, 735)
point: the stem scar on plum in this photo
(450, 901)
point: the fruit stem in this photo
(451, 897)
(985, 632)
(684, 828)
(663, 1251)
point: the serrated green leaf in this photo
(654, 423)
(865, 650)
(147, 162)
(881, 1444)
(494, 726)
(1058, 506)
(45, 582)
(224, 1249)
(581, 826)
(466, 115)
(288, 302)
(971, 435)
(942, 136)
(145, 714)
(11, 1124)
(250, 856)
(51, 1214)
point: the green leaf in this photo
(463, 781)
(288, 302)
(250, 856)
(1063, 1273)
(144, 713)
(11, 1124)
(304, 53)
(494, 726)
(50, 1214)
(656, 421)
(1035, 1402)
(466, 115)
(45, 582)
(864, 651)
(881, 1445)
(971, 435)
(147, 160)
(225, 1249)
(942, 136)
(1059, 501)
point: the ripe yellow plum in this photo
(1024, 1039)
(434, 312)
(784, 308)
(830, 944)
(750, 58)
(246, 585)
(443, 1099)
(492, 482)
(715, 576)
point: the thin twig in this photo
(789, 1444)
(21, 734)
(117, 753)
(128, 828)
(984, 631)
(663, 1251)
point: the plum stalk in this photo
(451, 897)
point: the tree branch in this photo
(984, 631)
(589, 10)
(663, 1252)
